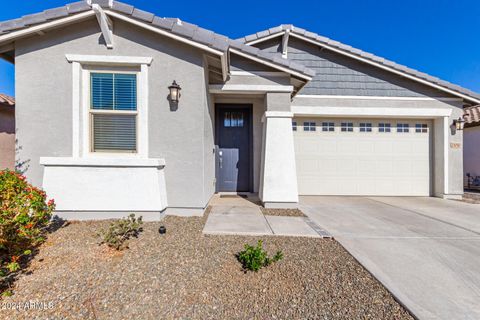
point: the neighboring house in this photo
(7, 132)
(283, 113)
(471, 147)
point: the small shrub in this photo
(255, 258)
(24, 217)
(116, 235)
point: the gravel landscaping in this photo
(283, 212)
(184, 274)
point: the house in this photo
(118, 110)
(471, 151)
(7, 132)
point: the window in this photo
(346, 127)
(113, 112)
(365, 127)
(328, 126)
(309, 126)
(421, 128)
(233, 119)
(403, 127)
(294, 125)
(384, 127)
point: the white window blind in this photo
(113, 112)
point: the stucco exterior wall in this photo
(7, 137)
(471, 152)
(183, 137)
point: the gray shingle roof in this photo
(175, 26)
(338, 45)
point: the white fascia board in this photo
(108, 60)
(163, 32)
(245, 88)
(307, 96)
(250, 43)
(278, 114)
(272, 65)
(381, 66)
(259, 73)
(371, 112)
(52, 24)
(101, 162)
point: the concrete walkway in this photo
(239, 216)
(426, 251)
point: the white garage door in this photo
(363, 156)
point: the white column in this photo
(278, 181)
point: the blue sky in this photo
(439, 37)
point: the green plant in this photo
(24, 217)
(119, 231)
(255, 258)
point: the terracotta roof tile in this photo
(7, 100)
(472, 114)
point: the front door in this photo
(233, 139)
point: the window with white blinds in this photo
(113, 112)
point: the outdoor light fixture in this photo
(174, 92)
(459, 123)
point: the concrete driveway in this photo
(426, 251)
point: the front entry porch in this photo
(241, 215)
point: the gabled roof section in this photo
(362, 56)
(182, 30)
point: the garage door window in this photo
(421, 128)
(403, 127)
(328, 126)
(347, 127)
(309, 126)
(365, 127)
(384, 127)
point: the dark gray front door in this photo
(233, 139)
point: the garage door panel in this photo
(363, 163)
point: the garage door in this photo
(363, 156)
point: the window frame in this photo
(294, 125)
(403, 127)
(310, 125)
(368, 127)
(384, 127)
(86, 126)
(346, 126)
(328, 126)
(92, 112)
(421, 128)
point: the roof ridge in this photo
(360, 53)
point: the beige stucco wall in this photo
(7, 137)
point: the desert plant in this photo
(24, 217)
(255, 258)
(119, 231)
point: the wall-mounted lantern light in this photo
(459, 123)
(174, 92)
